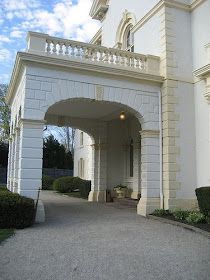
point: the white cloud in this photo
(5, 55)
(65, 19)
(16, 34)
(4, 39)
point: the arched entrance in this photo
(115, 144)
(91, 103)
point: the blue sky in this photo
(63, 18)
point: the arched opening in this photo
(124, 37)
(107, 148)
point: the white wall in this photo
(145, 44)
(200, 33)
(85, 152)
(119, 136)
(200, 37)
(115, 13)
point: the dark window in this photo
(131, 158)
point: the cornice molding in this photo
(98, 9)
(166, 3)
(24, 59)
(202, 72)
(96, 37)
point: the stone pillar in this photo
(150, 172)
(99, 173)
(15, 159)
(9, 163)
(136, 171)
(30, 157)
(10, 175)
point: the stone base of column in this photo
(185, 204)
(29, 193)
(97, 196)
(135, 195)
(147, 205)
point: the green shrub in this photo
(69, 184)
(161, 212)
(195, 218)
(85, 188)
(3, 188)
(64, 184)
(180, 214)
(47, 182)
(203, 197)
(16, 211)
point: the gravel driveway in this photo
(82, 240)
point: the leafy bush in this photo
(203, 197)
(85, 188)
(180, 214)
(64, 184)
(47, 182)
(195, 218)
(3, 188)
(161, 212)
(16, 211)
(69, 184)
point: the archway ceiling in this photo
(103, 111)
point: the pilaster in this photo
(30, 157)
(150, 172)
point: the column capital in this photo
(31, 121)
(149, 133)
(99, 146)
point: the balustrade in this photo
(69, 49)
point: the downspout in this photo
(161, 151)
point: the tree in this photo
(4, 149)
(65, 135)
(4, 114)
(55, 154)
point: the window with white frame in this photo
(81, 168)
(81, 138)
(128, 40)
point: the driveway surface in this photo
(82, 240)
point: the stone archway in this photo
(41, 88)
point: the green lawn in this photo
(5, 233)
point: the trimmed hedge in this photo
(85, 188)
(16, 211)
(64, 184)
(69, 184)
(47, 182)
(203, 197)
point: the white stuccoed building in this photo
(150, 60)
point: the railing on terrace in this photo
(44, 44)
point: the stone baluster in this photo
(60, 48)
(95, 55)
(101, 52)
(132, 62)
(122, 60)
(137, 59)
(106, 57)
(111, 60)
(117, 60)
(78, 51)
(48, 49)
(54, 50)
(72, 50)
(66, 49)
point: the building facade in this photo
(150, 62)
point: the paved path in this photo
(82, 240)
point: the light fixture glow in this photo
(122, 115)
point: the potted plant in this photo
(120, 191)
